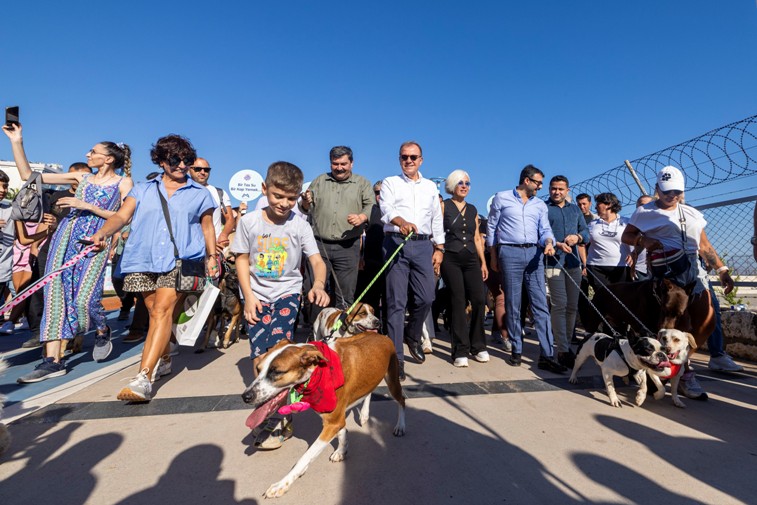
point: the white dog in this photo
(677, 344)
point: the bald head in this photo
(200, 171)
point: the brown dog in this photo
(230, 313)
(365, 359)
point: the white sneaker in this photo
(428, 348)
(461, 362)
(23, 325)
(173, 349)
(724, 363)
(163, 368)
(7, 327)
(138, 390)
(482, 357)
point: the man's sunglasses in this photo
(201, 169)
(674, 192)
(413, 157)
(175, 160)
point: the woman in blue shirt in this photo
(148, 261)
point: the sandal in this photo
(273, 433)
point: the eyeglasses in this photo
(538, 182)
(674, 192)
(175, 160)
(92, 152)
(464, 183)
(200, 169)
(413, 157)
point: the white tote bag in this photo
(197, 306)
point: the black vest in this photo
(459, 228)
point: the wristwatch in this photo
(440, 249)
(754, 240)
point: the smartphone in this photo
(11, 116)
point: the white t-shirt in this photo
(606, 248)
(217, 224)
(665, 226)
(275, 253)
(7, 236)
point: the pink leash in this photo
(39, 284)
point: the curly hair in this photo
(172, 145)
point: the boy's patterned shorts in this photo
(276, 322)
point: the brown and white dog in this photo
(365, 358)
(677, 344)
(361, 319)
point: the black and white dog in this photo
(618, 357)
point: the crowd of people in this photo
(300, 251)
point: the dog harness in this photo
(320, 390)
(605, 346)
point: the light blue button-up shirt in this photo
(149, 247)
(513, 222)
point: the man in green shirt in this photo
(339, 204)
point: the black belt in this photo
(415, 236)
(338, 241)
(520, 245)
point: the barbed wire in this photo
(720, 155)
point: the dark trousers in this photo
(375, 295)
(342, 259)
(412, 269)
(141, 320)
(461, 272)
(600, 276)
(37, 300)
(127, 299)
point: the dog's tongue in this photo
(261, 413)
(663, 364)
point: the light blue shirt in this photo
(513, 222)
(149, 248)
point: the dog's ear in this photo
(312, 357)
(692, 342)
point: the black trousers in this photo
(462, 274)
(342, 260)
(37, 300)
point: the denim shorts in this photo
(276, 322)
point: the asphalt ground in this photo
(487, 434)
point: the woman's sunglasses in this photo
(176, 160)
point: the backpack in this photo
(29, 203)
(223, 207)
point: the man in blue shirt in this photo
(569, 228)
(517, 230)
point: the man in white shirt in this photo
(223, 216)
(410, 203)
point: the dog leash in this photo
(338, 323)
(43, 281)
(325, 253)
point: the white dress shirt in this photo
(416, 202)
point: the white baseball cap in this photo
(670, 178)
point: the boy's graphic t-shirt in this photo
(275, 253)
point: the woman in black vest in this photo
(464, 271)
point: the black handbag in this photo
(191, 276)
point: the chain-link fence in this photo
(725, 154)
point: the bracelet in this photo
(722, 269)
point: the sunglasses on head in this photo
(413, 157)
(464, 183)
(674, 192)
(201, 169)
(176, 160)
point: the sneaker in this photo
(549, 364)
(133, 337)
(273, 433)
(514, 359)
(566, 359)
(482, 357)
(103, 346)
(32, 343)
(690, 387)
(23, 325)
(45, 370)
(161, 369)
(428, 348)
(7, 327)
(138, 390)
(173, 349)
(724, 363)
(507, 345)
(461, 362)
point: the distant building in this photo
(9, 167)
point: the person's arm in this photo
(209, 232)
(491, 233)
(222, 241)
(582, 254)
(13, 132)
(546, 237)
(634, 237)
(115, 222)
(252, 306)
(44, 230)
(713, 262)
(478, 240)
(317, 293)
(71, 202)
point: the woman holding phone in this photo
(73, 299)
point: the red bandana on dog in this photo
(320, 390)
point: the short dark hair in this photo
(172, 145)
(411, 143)
(4, 177)
(80, 166)
(339, 151)
(528, 172)
(284, 175)
(609, 199)
(583, 196)
(559, 178)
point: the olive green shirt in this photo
(333, 201)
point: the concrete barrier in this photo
(740, 333)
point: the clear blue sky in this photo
(574, 87)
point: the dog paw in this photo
(616, 403)
(399, 431)
(337, 456)
(364, 420)
(659, 395)
(277, 490)
(678, 403)
(573, 379)
(640, 397)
